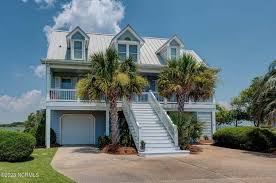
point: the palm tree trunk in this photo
(114, 120)
(181, 102)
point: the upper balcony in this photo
(69, 97)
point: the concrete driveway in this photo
(214, 164)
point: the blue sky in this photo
(236, 36)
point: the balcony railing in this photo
(63, 94)
(70, 95)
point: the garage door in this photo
(77, 129)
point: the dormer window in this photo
(133, 52)
(77, 44)
(128, 44)
(173, 53)
(171, 49)
(122, 50)
(78, 51)
(128, 50)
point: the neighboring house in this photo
(82, 122)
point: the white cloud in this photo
(92, 16)
(42, 3)
(225, 104)
(39, 70)
(17, 108)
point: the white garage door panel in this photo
(77, 129)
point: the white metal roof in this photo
(100, 42)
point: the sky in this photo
(236, 36)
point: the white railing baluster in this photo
(164, 118)
(130, 118)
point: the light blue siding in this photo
(206, 118)
(174, 43)
(78, 35)
(128, 36)
(99, 122)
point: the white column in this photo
(214, 121)
(165, 102)
(47, 128)
(48, 81)
(107, 120)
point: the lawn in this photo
(38, 169)
(274, 130)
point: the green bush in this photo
(15, 146)
(103, 141)
(189, 128)
(125, 135)
(248, 138)
(40, 135)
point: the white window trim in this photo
(169, 56)
(73, 50)
(128, 43)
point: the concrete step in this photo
(157, 138)
(159, 145)
(142, 109)
(145, 114)
(158, 141)
(145, 125)
(153, 127)
(153, 130)
(155, 152)
(147, 122)
(154, 134)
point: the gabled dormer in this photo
(128, 43)
(77, 43)
(171, 49)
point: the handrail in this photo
(164, 118)
(130, 118)
(61, 89)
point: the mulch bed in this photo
(194, 149)
(119, 150)
(205, 142)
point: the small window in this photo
(66, 83)
(78, 50)
(122, 51)
(173, 53)
(133, 52)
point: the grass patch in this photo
(273, 130)
(38, 167)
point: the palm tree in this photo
(113, 79)
(186, 77)
(264, 100)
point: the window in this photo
(66, 83)
(133, 52)
(78, 50)
(173, 53)
(122, 51)
(128, 50)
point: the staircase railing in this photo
(131, 120)
(164, 117)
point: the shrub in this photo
(189, 128)
(206, 137)
(248, 138)
(40, 135)
(125, 135)
(104, 141)
(15, 146)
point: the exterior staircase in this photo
(152, 125)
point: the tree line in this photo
(256, 103)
